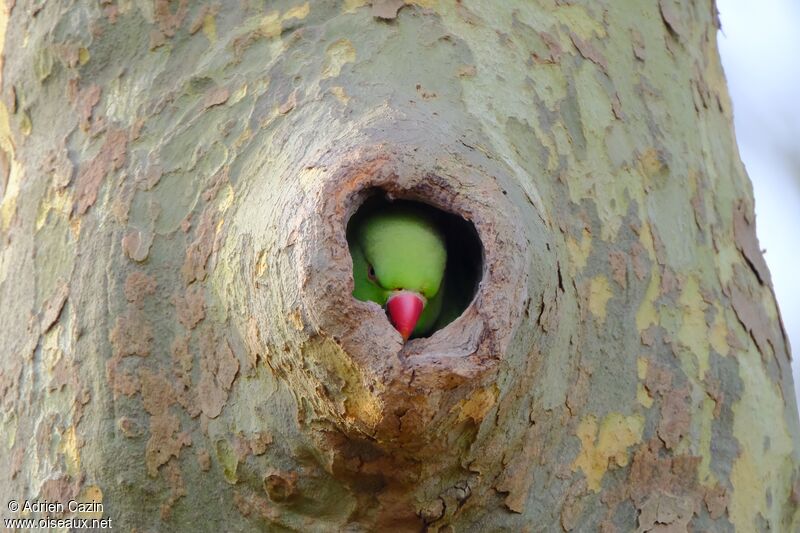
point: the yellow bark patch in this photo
(271, 24)
(352, 5)
(210, 28)
(357, 403)
(693, 332)
(9, 426)
(584, 24)
(59, 201)
(336, 56)
(226, 199)
(647, 315)
(3, 26)
(599, 294)
(608, 443)
(297, 12)
(642, 396)
(642, 365)
(83, 56)
(261, 265)
(428, 4)
(646, 240)
(25, 124)
(765, 462)
(579, 251)
(651, 164)
(237, 95)
(704, 418)
(296, 320)
(228, 460)
(8, 203)
(91, 494)
(69, 447)
(310, 177)
(718, 335)
(340, 94)
(51, 347)
(478, 404)
(726, 257)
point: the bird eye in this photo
(371, 274)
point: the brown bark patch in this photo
(63, 373)
(172, 473)
(666, 513)
(658, 379)
(573, 506)
(204, 459)
(639, 50)
(53, 306)
(150, 177)
(554, 50)
(589, 51)
(516, 479)
(198, 252)
(16, 461)
(255, 346)
(744, 230)
(663, 488)
(182, 363)
(129, 427)
(138, 286)
(9, 384)
(386, 9)
(191, 306)
(619, 267)
(249, 504)
(751, 314)
(121, 381)
(112, 156)
(85, 101)
(675, 417)
(669, 13)
(640, 261)
(280, 486)
(165, 441)
(217, 181)
(132, 334)
(157, 391)
(716, 499)
(289, 104)
(182, 359)
(167, 20)
(59, 489)
(218, 370)
(57, 164)
(136, 244)
(260, 442)
(216, 96)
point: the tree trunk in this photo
(179, 340)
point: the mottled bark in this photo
(177, 334)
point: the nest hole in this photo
(464, 253)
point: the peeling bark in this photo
(178, 337)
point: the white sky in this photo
(759, 44)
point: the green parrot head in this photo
(399, 258)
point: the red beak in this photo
(404, 310)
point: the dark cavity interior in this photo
(464, 267)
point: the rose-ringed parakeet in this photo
(399, 256)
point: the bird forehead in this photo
(405, 251)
